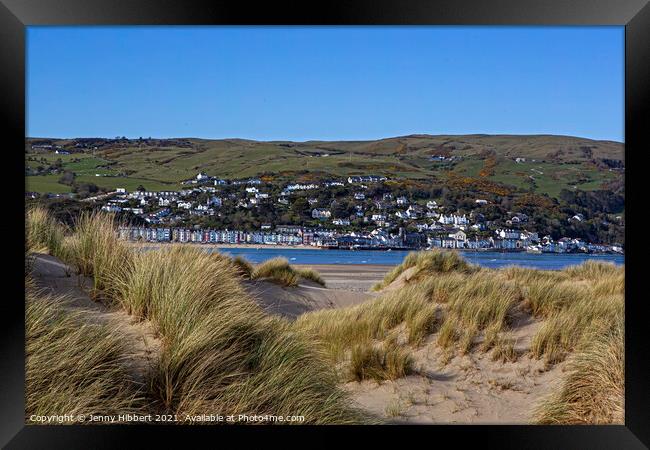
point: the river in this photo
(545, 261)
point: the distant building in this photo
(366, 179)
(453, 220)
(321, 214)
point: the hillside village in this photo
(533, 193)
(375, 220)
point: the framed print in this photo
(364, 216)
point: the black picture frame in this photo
(15, 15)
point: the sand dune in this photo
(58, 279)
(467, 389)
(307, 296)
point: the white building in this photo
(508, 234)
(321, 214)
(453, 219)
(301, 187)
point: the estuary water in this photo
(544, 261)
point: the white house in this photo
(508, 234)
(459, 236)
(480, 201)
(453, 220)
(111, 208)
(402, 201)
(359, 196)
(341, 222)
(301, 187)
(252, 190)
(202, 176)
(413, 212)
(432, 204)
(321, 213)
(366, 179)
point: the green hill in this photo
(550, 163)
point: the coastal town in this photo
(365, 213)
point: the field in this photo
(559, 161)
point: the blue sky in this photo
(301, 83)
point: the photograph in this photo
(325, 225)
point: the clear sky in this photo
(301, 83)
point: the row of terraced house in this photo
(207, 236)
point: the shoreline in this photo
(310, 247)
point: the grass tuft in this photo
(95, 250)
(594, 390)
(72, 366)
(386, 362)
(426, 263)
(43, 233)
(278, 270)
(244, 268)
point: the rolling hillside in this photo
(551, 162)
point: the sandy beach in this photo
(350, 277)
